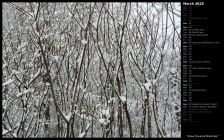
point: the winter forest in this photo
(91, 70)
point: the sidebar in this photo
(201, 66)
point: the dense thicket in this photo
(91, 70)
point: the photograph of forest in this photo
(91, 69)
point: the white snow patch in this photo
(84, 90)
(84, 42)
(14, 134)
(56, 58)
(31, 65)
(89, 118)
(106, 112)
(100, 43)
(82, 135)
(83, 116)
(172, 70)
(147, 86)
(4, 132)
(94, 24)
(79, 60)
(145, 97)
(101, 121)
(48, 84)
(4, 104)
(123, 99)
(68, 117)
(35, 114)
(8, 82)
(4, 65)
(106, 122)
(28, 90)
(83, 110)
(19, 94)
